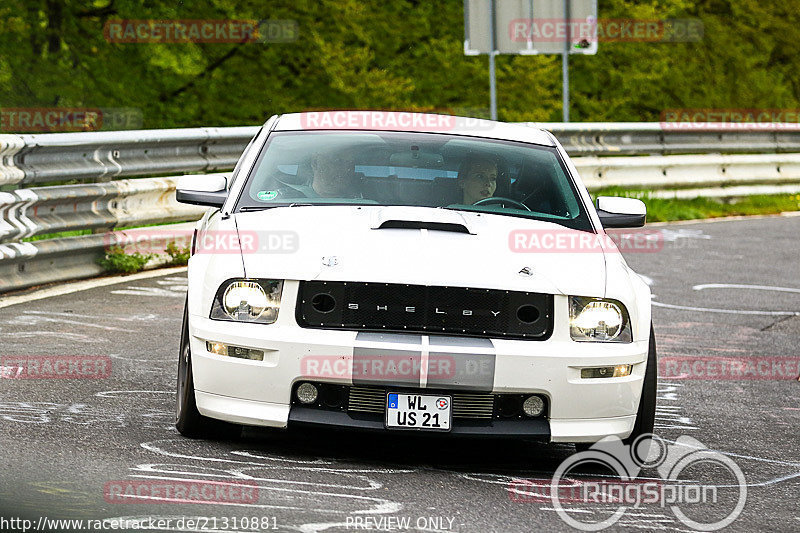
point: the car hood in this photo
(414, 245)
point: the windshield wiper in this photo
(256, 207)
(262, 207)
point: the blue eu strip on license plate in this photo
(392, 401)
(418, 411)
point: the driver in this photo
(477, 178)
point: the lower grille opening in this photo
(477, 405)
(362, 400)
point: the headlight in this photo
(595, 319)
(248, 300)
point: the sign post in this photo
(492, 54)
(565, 65)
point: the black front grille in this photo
(424, 309)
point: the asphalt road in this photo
(64, 440)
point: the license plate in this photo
(418, 411)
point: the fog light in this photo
(235, 351)
(306, 393)
(618, 371)
(533, 406)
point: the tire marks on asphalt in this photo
(337, 488)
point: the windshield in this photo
(414, 169)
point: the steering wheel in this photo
(502, 201)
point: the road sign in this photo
(530, 27)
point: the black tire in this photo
(188, 420)
(646, 414)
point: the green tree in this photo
(405, 54)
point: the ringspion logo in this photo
(699, 506)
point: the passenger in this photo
(333, 175)
(477, 178)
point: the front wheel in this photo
(646, 415)
(188, 420)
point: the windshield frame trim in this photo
(554, 148)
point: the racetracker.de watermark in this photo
(388, 121)
(155, 241)
(590, 30)
(230, 492)
(769, 119)
(591, 490)
(55, 367)
(200, 31)
(382, 367)
(575, 242)
(729, 368)
(68, 119)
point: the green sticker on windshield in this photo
(267, 195)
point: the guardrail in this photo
(648, 138)
(112, 203)
(103, 156)
(684, 171)
(99, 206)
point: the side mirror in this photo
(208, 190)
(616, 212)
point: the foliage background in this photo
(400, 54)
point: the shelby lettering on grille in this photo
(419, 308)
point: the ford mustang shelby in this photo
(411, 272)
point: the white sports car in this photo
(411, 272)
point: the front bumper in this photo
(535, 428)
(259, 392)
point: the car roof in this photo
(411, 122)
